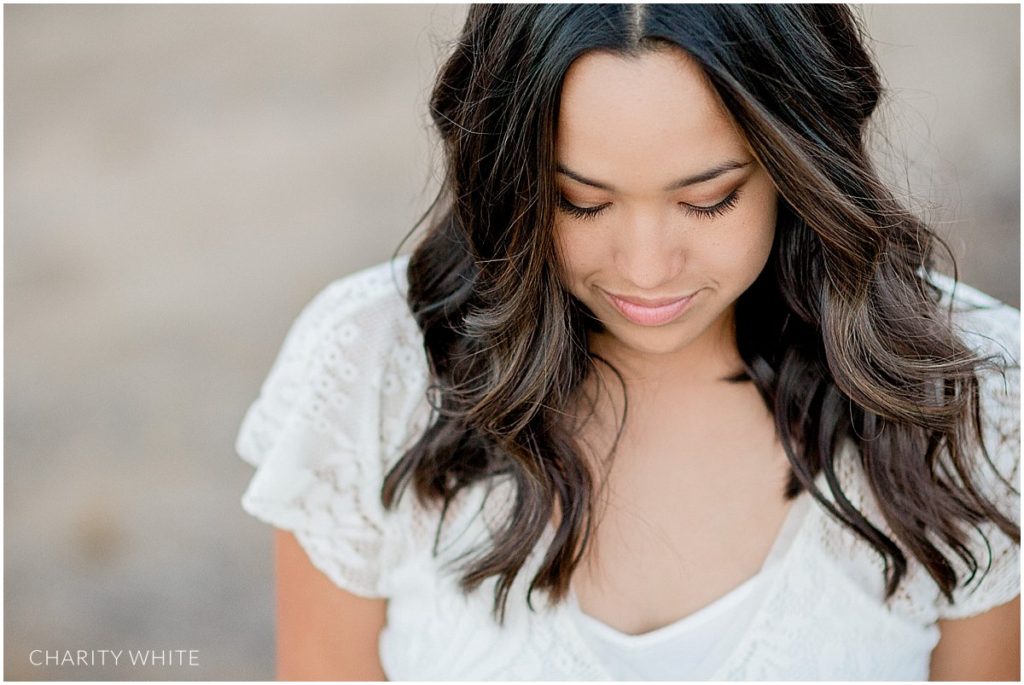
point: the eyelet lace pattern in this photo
(345, 397)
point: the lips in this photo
(651, 312)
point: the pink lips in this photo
(650, 312)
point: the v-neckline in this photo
(686, 624)
(795, 522)
(780, 545)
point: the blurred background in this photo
(182, 179)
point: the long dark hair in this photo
(842, 333)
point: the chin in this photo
(653, 341)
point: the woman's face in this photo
(675, 217)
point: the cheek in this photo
(746, 244)
(578, 254)
(759, 219)
(762, 233)
(761, 240)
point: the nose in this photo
(650, 252)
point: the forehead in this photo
(642, 119)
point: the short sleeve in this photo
(993, 328)
(333, 414)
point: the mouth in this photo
(651, 312)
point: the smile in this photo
(651, 312)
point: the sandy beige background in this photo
(180, 180)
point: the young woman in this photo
(671, 377)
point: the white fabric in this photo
(347, 394)
(694, 647)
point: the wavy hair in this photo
(842, 333)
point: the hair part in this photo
(842, 333)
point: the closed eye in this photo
(701, 211)
(580, 212)
(714, 210)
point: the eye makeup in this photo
(579, 212)
(717, 209)
(710, 212)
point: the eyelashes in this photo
(578, 212)
(714, 210)
(711, 212)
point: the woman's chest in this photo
(688, 511)
(818, 619)
(815, 623)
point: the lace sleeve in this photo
(994, 329)
(316, 431)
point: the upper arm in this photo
(323, 631)
(982, 647)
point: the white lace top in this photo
(346, 396)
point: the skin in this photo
(327, 633)
(635, 125)
(983, 647)
(323, 631)
(638, 125)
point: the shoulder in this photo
(984, 323)
(352, 364)
(343, 398)
(360, 330)
(991, 329)
(367, 309)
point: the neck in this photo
(710, 358)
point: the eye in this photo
(714, 210)
(579, 212)
(710, 212)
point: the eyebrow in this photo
(707, 175)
